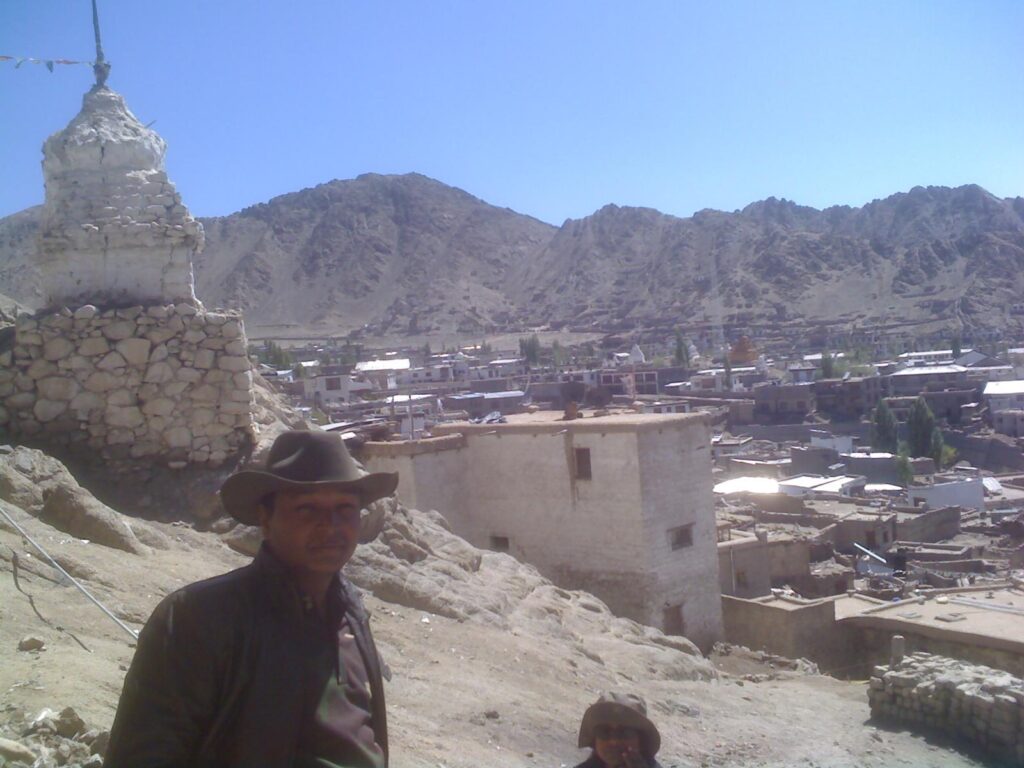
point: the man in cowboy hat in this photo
(617, 729)
(272, 664)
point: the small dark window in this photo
(681, 537)
(333, 384)
(583, 464)
(672, 621)
(741, 579)
(499, 543)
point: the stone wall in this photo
(170, 383)
(980, 705)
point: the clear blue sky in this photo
(550, 108)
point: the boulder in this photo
(16, 752)
(31, 643)
(244, 538)
(79, 513)
(27, 474)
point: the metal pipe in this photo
(69, 577)
(867, 551)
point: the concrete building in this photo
(383, 373)
(848, 398)
(744, 564)
(1009, 422)
(783, 402)
(479, 404)
(619, 505)
(331, 387)
(801, 373)
(1004, 395)
(913, 381)
(966, 492)
(838, 443)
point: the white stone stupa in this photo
(114, 230)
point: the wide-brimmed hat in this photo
(620, 709)
(306, 460)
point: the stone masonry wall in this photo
(170, 383)
(980, 705)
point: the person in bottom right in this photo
(619, 733)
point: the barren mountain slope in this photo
(19, 277)
(929, 253)
(406, 252)
(409, 255)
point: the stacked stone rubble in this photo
(974, 703)
(166, 382)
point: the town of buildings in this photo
(739, 501)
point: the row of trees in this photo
(924, 438)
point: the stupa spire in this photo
(101, 67)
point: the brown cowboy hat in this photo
(306, 460)
(620, 709)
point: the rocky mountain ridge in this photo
(407, 255)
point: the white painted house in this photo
(618, 505)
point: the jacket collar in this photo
(284, 592)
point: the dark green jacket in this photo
(217, 678)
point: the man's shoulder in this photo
(219, 592)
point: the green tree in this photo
(949, 455)
(828, 365)
(957, 346)
(938, 447)
(903, 468)
(884, 429)
(920, 425)
(682, 353)
(426, 351)
(529, 349)
(728, 372)
(559, 354)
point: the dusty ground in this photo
(463, 694)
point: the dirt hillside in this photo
(491, 663)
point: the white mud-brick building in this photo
(123, 361)
(618, 505)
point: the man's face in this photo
(312, 530)
(618, 746)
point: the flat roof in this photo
(383, 365)
(816, 356)
(487, 395)
(552, 422)
(991, 616)
(837, 484)
(408, 398)
(921, 370)
(805, 481)
(1014, 387)
(747, 485)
